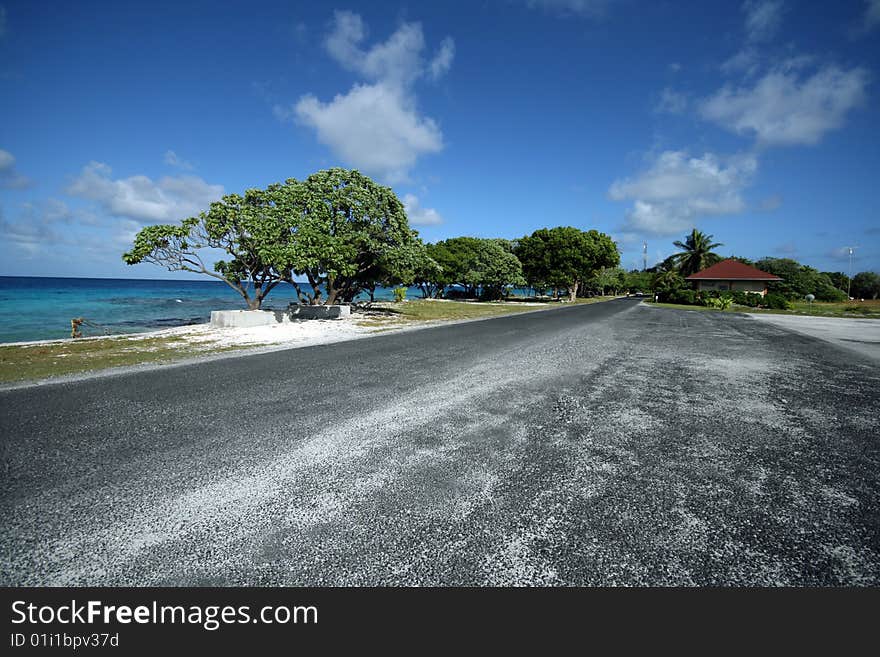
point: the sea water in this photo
(35, 308)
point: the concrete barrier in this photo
(242, 318)
(318, 312)
(250, 318)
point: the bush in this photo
(776, 301)
(683, 296)
(399, 294)
(749, 299)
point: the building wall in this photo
(756, 287)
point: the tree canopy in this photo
(344, 233)
(565, 257)
(338, 228)
(866, 285)
(238, 225)
(476, 264)
(799, 280)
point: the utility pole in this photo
(849, 278)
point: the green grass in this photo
(40, 361)
(851, 309)
(681, 306)
(437, 310)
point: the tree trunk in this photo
(573, 292)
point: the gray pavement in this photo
(591, 445)
(861, 336)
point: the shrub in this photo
(776, 301)
(399, 294)
(684, 296)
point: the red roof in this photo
(732, 270)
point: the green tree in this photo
(565, 257)
(638, 281)
(608, 279)
(476, 264)
(799, 280)
(237, 225)
(838, 279)
(666, 283)
(866, 285)
(345, 234)
(697, 253)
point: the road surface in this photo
(609, 444)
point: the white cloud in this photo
(746, 61)
(671, 102)
(677, 190)
(376, 126)
(586, 8)
(762, 19)
(172, 159)
(442, 61)
(140, 198)
(786, 108)
(10, 178)
(419, 216)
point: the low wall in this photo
(251, 318)
(318, 312)
(242, 318)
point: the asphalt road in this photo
(591, 445)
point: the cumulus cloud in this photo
(784, 107)
(142, 199)
(442, 61)
(671, 102)
(172, 159)
(762, 19)
(37, 225)
(10, 178)
(676, 190)
(419, 216)
(376, 126)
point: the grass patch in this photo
(681, 306)
(40, 361)
(437, 310)
(857, 309)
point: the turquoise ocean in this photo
(35, 308)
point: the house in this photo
(734, 276)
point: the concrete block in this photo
(318, 312)
(244, 318)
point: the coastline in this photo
(184, 345)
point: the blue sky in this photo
(755, 122)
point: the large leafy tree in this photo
(338, 229)
(799, 280)
(866, 285)
(345, 234)
(565, 257)
(239, 226)
(476, 264)
(608, 279)
(696, 253)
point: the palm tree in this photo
(697, 253)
